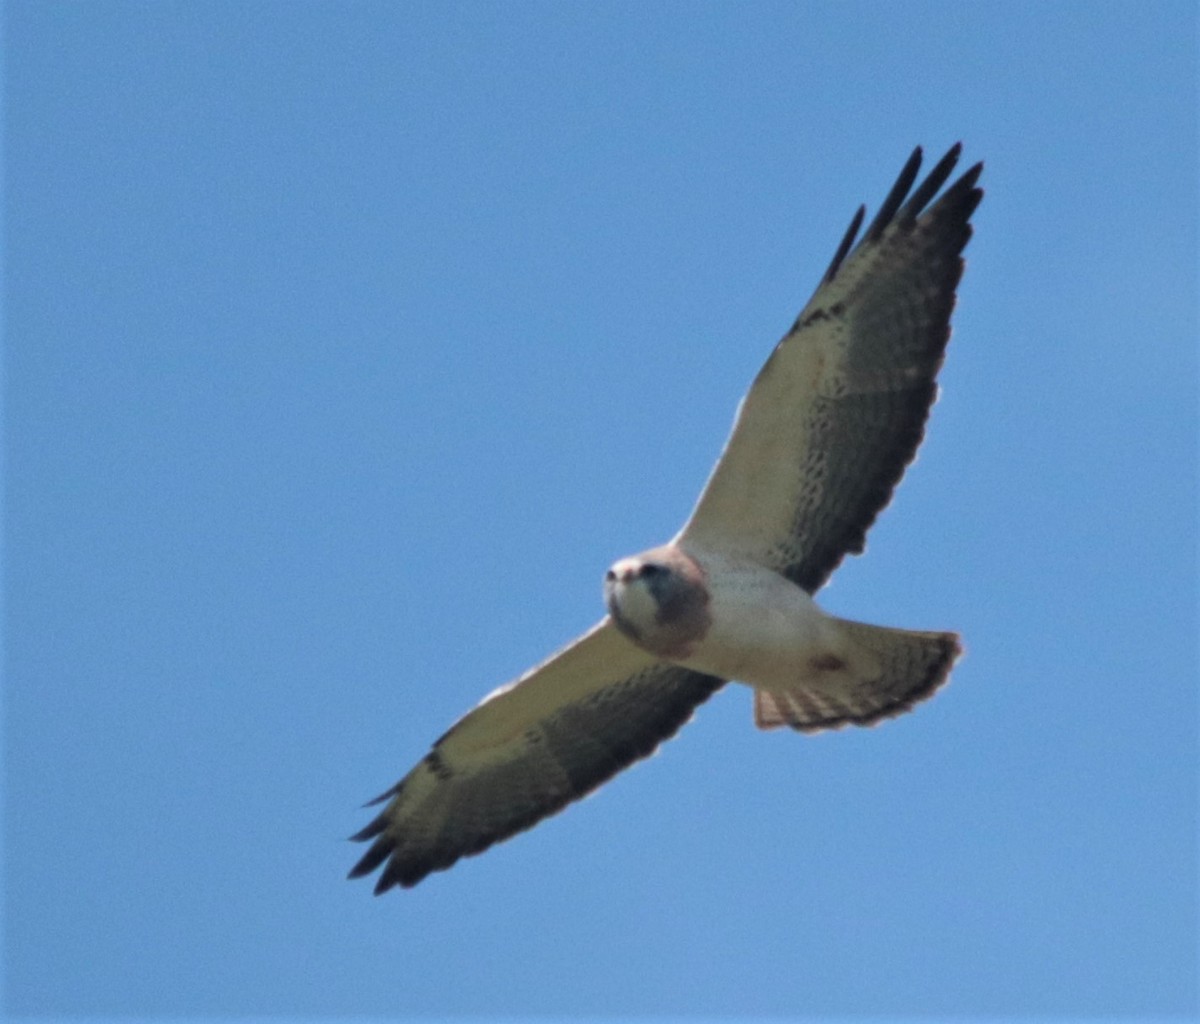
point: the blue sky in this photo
(347, 344)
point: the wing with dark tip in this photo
(838, 410)
(527, 751)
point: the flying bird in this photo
(818, 445)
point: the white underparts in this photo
(765, 631)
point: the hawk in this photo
(818, 445)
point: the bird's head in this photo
(634, 590)
(654, 596)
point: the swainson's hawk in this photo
(818, 445)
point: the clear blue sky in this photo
(347, 344)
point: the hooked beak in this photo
(622, 572)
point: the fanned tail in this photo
(886, 672)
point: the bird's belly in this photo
(762, 627)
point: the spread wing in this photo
(838, 410)
(529, 749)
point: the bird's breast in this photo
(761, 624)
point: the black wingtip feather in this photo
(387, 794)
(929, 187)
(372, 830)
(900, 206)
(844, 247)
(376, 855)
(968, 182)
(895, 197)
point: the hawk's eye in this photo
(650, 569)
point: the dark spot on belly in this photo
(826, 663)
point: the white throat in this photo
(635, 604)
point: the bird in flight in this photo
(818, 445)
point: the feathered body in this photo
(818, 446)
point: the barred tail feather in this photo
(884, 673)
